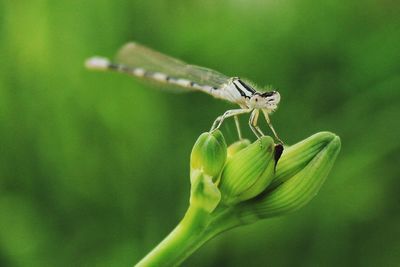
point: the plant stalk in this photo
(187, 236)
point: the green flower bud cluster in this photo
(243, 183)
(256, 179)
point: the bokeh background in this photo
(94, 166)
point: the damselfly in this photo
(142, 62)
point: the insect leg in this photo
(233, 112)
(253, 123)
(271, 127)
(238, 127)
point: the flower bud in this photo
(297, 156)
(209, 154)
(248, 171)
(300, 173)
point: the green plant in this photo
(243, 183)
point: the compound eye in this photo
(257, 98)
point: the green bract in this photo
(204, 193)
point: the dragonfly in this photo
(145, 63)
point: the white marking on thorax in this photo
(228, 92)
(242, 89)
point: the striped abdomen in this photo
(234, 90)
(100, 63)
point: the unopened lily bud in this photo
(301, 172)
(248, 172)
(209, 154)
(297, 156)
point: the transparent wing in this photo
(138, 56)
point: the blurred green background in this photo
(94, 166)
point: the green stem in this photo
(196, 228)
(187, 236)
